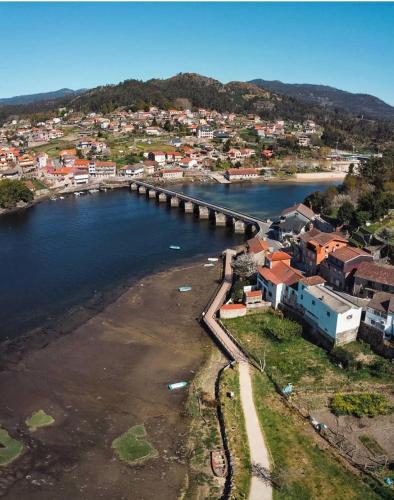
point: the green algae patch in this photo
(39, 419)
(133, 447)
(10, 448)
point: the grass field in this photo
(302, 469)
(236, 432)
(39, 419)
(133, 447)
(10, 448)
(302, 363)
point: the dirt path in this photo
(259, 490)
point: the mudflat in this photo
(106, 376)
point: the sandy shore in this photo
(106, 376)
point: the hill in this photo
(45, 96)
(190, 90)
(330, 97)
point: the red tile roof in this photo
(313, 280)
(257, 245)
(281, 273)
(322, 238)
(233, 306)
(253, 293)
(345, 254)
(242, 171)
(374, 272)
(302, 209)
(275, 256)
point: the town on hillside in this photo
(72, 149)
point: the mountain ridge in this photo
(332, 98)
(41, 96)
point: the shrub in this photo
(359, 405)
(346, 358)
(282, 329)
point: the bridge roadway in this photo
(260, 225)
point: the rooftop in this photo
(332, 299)
(383, 302)
(257, 245)
(374, 272)
(345, 254)
(302, 209)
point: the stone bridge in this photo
(221, 216)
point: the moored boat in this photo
(212, 259)
(175, 247)
(184, 288)
(177, 385)
(219, 463)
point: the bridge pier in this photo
(174, 201)
(133, 186)
(203, 212)
(188, 207)
(141, 190)
(152, 193)
(162, 198)
(239, 226)
(220, 219)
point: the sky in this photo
(47, 46)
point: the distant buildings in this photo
(236, 174)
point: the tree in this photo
(12, 192)
(316, 201)
(345, 212)
(227, 146)
(359, 218)
(245, 265)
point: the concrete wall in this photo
(375, 339)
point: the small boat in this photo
(93, 190)
(53, 198)
(184, 288)
(219, 463)
(77, 193)
(61, 197)
(175, 247)
(177, 385)
(212, 259)
(209, 265)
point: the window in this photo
(313, 302)
(270, 294)
(328, 313)
(372, 321)
(302, 297)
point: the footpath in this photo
(259, 489)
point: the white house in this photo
(204, 132)
(380, 313)
(336, 318)
(274, 278)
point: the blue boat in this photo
(184, 288)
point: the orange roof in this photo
(253, 293)
(68, 152)
(313, 280)
(275, 256)
(345, 254)
(257, 245)
(63, 171)
(281, 273)
(81, 163)
(233, 306)
(241, 171)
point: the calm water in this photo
(58, 255)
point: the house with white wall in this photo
(380, 313)
(335, 317)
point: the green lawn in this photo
(10, 448)
(301, 362)
(39, 419)
(236, 432)
(133, 447)
(302, 470)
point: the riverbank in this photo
(107, 375)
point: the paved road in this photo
(259, 490)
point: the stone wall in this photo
(375, 339)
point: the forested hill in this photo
(44, 96)
(330, 97)
(190, 90)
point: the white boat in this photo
(94, 190)
(77, 193)
(184, 288)
(61, 197)
(175, 247)
(212, 259)
(209, 265)
(177, 385)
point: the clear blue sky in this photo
(47, 46)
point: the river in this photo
(59, 255)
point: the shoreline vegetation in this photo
(296, 178)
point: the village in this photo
(74, 149)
